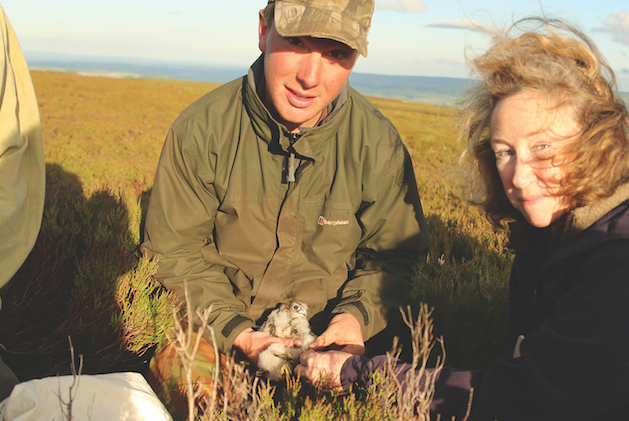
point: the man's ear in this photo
(263, 30)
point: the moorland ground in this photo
(85, 278)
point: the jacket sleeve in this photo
(453, 388)
(179, 233)
(575, 366)
(394, 240)
(22, 166)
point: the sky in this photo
(408, 37)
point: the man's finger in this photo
(354, 349)
(303, 358)
(287, 342)
(320, 343)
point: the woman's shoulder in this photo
(603, 245)
(601, 212)
(613, 225)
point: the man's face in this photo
(303, 75)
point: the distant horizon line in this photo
(436, 90)
(32, 55)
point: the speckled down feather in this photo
(288, 320)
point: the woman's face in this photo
(527, 131)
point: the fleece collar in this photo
(584, 217)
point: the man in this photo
(287, 184)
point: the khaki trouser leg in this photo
(167, 375)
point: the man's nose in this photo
(309, 74)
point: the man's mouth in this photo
(299, 100)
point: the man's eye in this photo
(337, 54)
(294, 40)
(502, 154)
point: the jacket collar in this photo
(592, 218)
(311, 140)
(584, 217)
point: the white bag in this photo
(103, 397)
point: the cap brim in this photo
(297, 20)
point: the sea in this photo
(442, 91)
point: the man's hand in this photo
(343, 331)
(252, 343)
(323, 369)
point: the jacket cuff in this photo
(358, 310)
(226, 334)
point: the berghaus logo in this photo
(324, 222)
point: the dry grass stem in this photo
(210, 402)
(414, 399)
(66, 407)
(182, 344)
(244, 397)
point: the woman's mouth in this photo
(531, 200)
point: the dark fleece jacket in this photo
(571, 302)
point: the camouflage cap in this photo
(346, 21)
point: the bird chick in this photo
(288, 320)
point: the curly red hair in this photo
(554, 59)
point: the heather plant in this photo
(236, 394)
(85, 278)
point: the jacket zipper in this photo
(294, 137)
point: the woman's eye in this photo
(543, 151)
(502, 158)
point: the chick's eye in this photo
(295, 307)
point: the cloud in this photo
(618, 25)
(472, 24)
(623, 84)
(413, 6)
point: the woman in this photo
(549, 137)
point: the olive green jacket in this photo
(223, 218)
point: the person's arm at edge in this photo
(453, 388)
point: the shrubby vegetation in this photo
(85, 278)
